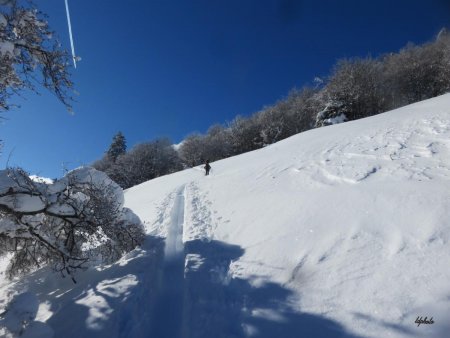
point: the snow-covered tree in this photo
(353, 91)
(273, 123)
(144, 162)
(419, 72)
(192, 150)
(103, 164)
(30, 54)
(217, 143)
(118, 147)
(301, 107)
(245, 134)
(67, 224)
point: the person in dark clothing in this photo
(207, 167)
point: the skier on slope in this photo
(207, 167)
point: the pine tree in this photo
(118, 147)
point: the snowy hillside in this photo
(340, 231)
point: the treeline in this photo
(356, 88)
(143, 162)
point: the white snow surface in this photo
(3, 21)
(41, 179)
(341, 231)
(336, 120)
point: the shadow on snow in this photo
(216, 305)
(113, 302)
(199, 300)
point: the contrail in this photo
(70, 34)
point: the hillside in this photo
(341, 231)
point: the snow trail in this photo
(168, 314)
(174, 241)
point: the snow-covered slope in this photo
(341, 231)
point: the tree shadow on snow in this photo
(142, 296)
(113, 302)
(216, 305)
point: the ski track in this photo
(201, 224)
(167, 320)
(195, 298)
(162, 223)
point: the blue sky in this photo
(168, 68)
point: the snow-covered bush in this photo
(333, 113)
(67, 224)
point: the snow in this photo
(88, 175)
(6, 48)
(39, 179)
(10, 179)
(3, 21)
(178, 145)
(13, 182)
(341, 231)
(335, 120)
(23, 202)
(20, 317)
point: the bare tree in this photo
(103, 164)
(192, 150)
(245, 134)
(274, 123)
(418, 72)
(144, 162)
(301, 108)
(217, 143)
(30, 54)
(353, 91)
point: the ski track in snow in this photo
(167, 320)
(162, 222)
(194, 298)
(201, 296)
(201, 224)
(192, 278)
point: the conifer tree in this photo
(118, 147)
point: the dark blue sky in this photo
(169, 68)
